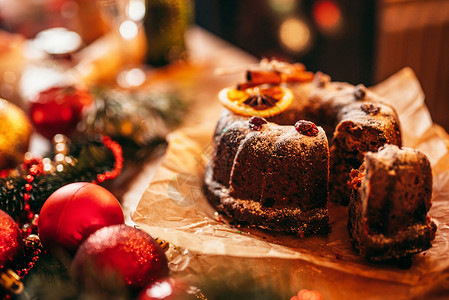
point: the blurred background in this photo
(355, 41)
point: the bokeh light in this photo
(128, 30)
(327, 16)
(136, 10)
(160, 290)
(295, 35)
(131, 78)
(57, 40)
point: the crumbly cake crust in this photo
(254, 214)
(391, 222)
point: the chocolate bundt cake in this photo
(277, 178)
(271, 176)
(391, 222)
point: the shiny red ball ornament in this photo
(58, 110)
(169, 288)
(11, 240)
(133, 255)
(75, 211)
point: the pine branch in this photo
(139, 120)
(51, 279)
(91, 158)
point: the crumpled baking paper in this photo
(174, 209)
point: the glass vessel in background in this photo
(122, 48)
(166, 22)
(161, 24)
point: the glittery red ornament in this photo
(11, 241)
(58, 110)
(126, 251)
(169, 288)
(75, 211)
(306, 294)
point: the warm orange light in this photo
(327, 15)
(295, 35)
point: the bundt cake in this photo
(391, 222)
(271, 176)
(277, 177)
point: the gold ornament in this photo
(15, 132)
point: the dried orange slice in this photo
(256, 101)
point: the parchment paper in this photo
(174, 209)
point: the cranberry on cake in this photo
(391, 196)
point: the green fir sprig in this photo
(137, 119)
(90, 158)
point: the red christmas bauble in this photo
(11, 240)
(130, 253)
(169, 288)
(75, 211)
(58, 110)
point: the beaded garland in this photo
(28, 221)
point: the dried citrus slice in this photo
(257, 101)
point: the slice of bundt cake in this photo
(388, 209)
(271, 176)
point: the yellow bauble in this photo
(15, 132)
